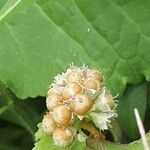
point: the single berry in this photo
(81, 104)
(91, 83)
(94, 74)
(71, 90)
(51, 91)
(72, 69)
(62, 115)
(56, 89)
(62, 137)
(53, 100)
(74, 76)
(48, 124)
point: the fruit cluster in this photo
(77, 93)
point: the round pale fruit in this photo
(74, 76)
(62, 115)
(51, 91)
(48, 124)
(53, 100)
(56, 89)
(71, 90)
(81, 104)
(91, 83)
(62, 137)
(94, 74)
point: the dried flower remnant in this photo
(78, 95)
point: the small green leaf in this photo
(135, 96)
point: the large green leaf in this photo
(43, 37)
(135, 96)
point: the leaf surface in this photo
(135, 96)
(34, 48)
(16, 111)
(14, 137)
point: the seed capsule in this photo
(53, 100)
(91, 83)
(71, 69)
(94, 74)
(74, 76)
(62, 115)
(55, 90)
(81, 104)
(71, 90)
(62, 137)
(48, 124)
(50, 92)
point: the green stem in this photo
(116, 131)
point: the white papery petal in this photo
(101, 120)
(101, 102)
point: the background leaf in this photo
(39, 38)
(34, 48)
(147, 113)
(135, 96)
(16, 111)
(14, 137)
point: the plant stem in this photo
(116, 131)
